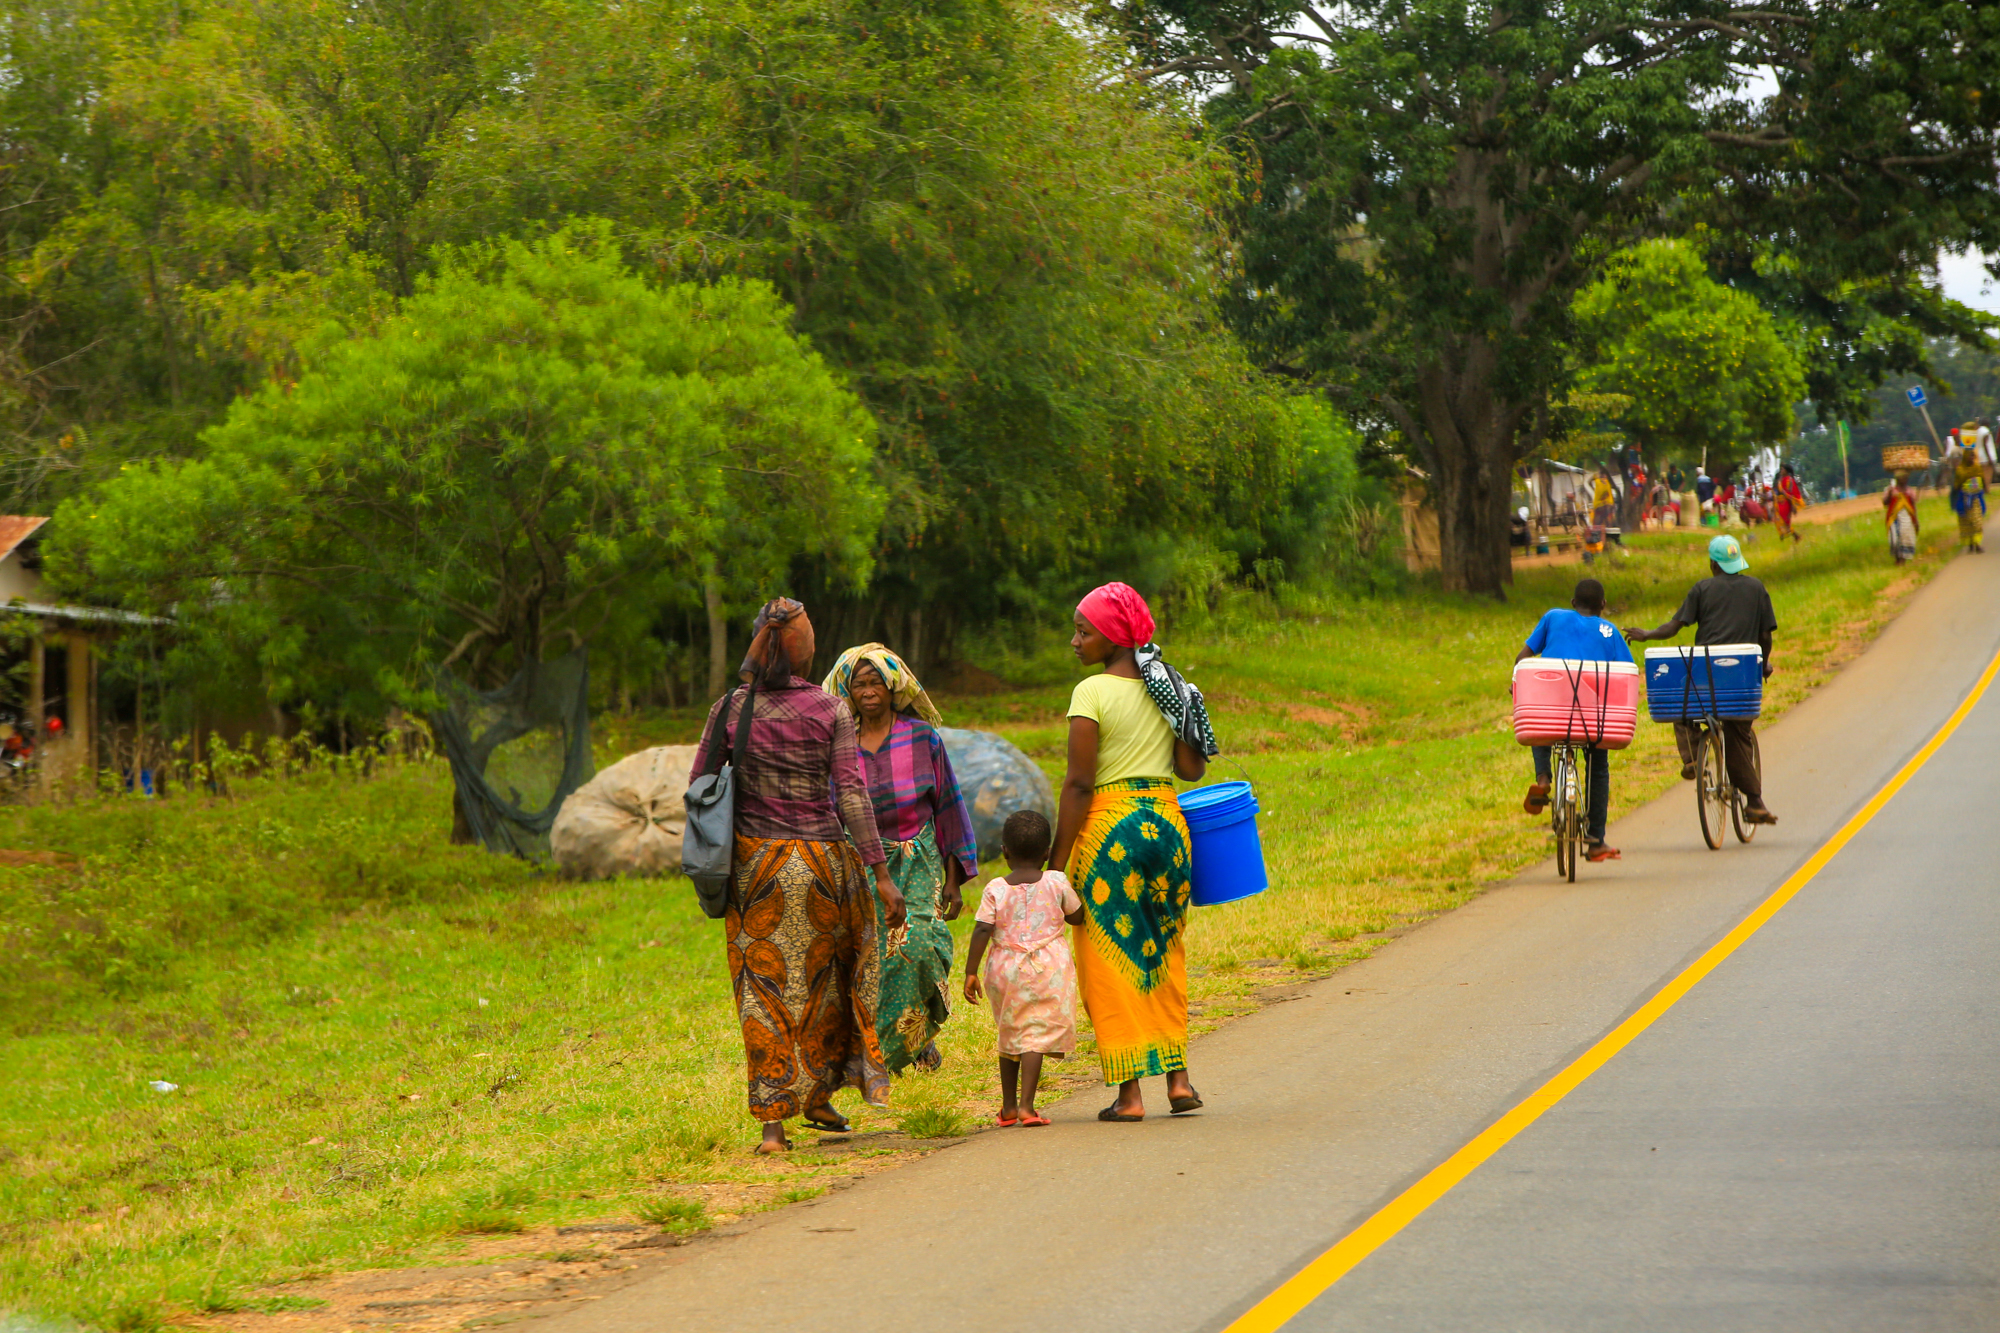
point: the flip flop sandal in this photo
(1537, 799)
(1111, 1114)
(1602, 853)
(1759, 817)
(1182, 1105)
(827, 1126)
(1006, 1122)
(1036, 1119)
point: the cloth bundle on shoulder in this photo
(628, 819)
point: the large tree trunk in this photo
(1468, 441)
(718, 638)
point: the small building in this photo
(62, 662)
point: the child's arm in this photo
(975, 951)
(1073, 916)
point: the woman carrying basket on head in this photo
(927, 836)
(1124, 846)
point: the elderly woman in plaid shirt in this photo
(926, 836)
(802, 919)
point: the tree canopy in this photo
(537, 435)
(1436, 180)
(1701, 370)
(1014, 263)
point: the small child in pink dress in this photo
(1030, 976)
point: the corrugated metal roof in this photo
(101, 614)
(15, 529)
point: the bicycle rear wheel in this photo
(1711, 787)
(1569, 835)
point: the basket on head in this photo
(1909, 456)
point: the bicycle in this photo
(1717, 802)
(1566, 806)
(1713, 791)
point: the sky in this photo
(1965, 279)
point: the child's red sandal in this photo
(1034, 1118)
(1006, 1121)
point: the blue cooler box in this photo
(1723, 680)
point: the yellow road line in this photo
(1303, 1287)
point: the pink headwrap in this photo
(1119, 613)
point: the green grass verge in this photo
(382, 1045)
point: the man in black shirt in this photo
(1727, 607)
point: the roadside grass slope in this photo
(383, 1045)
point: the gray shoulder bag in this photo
(708, 839)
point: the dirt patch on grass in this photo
(19, 859)
(485, 1280)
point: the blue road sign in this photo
(1916, 395)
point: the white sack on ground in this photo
(627, 820)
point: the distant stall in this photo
(61, 713)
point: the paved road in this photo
(1809, 1140)
(1322, 1109)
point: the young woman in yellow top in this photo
(1121, 839)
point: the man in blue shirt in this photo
(1579, 635)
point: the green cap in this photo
(1725, 551)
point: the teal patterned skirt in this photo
(915, 970)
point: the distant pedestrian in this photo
(1899, 514)
(1029, 976)
(1791, 498)
(1120, 836)
(1603, 500)
(1968, 496)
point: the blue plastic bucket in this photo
(1228, 855)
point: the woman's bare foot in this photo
(774, 1139)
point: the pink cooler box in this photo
(1580, 703)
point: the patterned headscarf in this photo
(781, 644)
(1119, 613)
(906, 692)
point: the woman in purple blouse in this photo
(927, 838)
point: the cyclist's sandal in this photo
(1603, 851)
(1537, 799)
(1758, 815)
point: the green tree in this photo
(1704, 370)
(1017, 268)
(506, 468)
(1437, 179)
